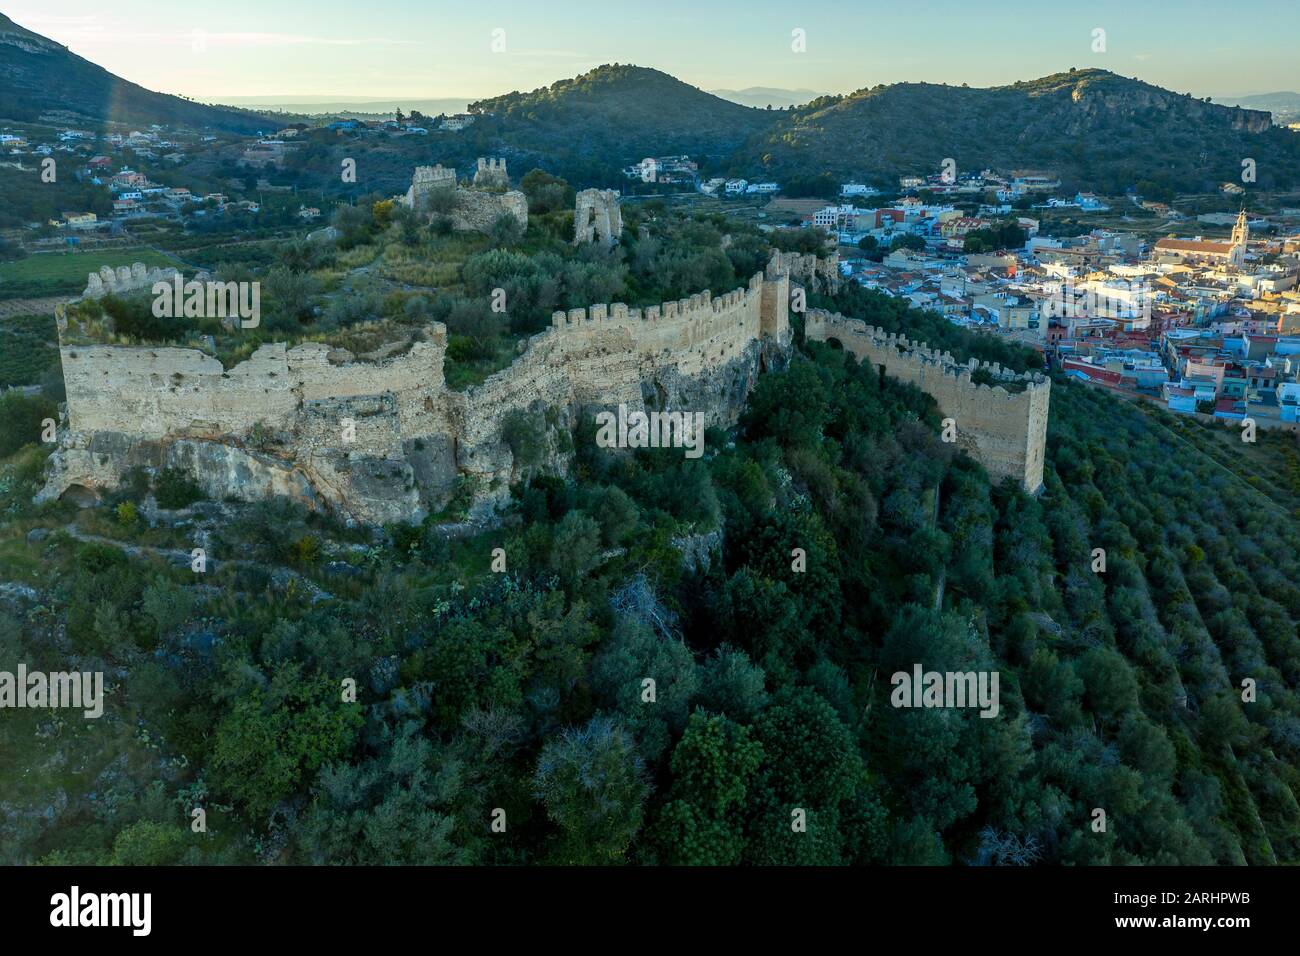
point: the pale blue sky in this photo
(417, 48)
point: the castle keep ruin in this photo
(434, 190)
(386, 440)
(1003, 428)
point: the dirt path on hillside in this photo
(181, 558)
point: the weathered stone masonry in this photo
(1004, 430)
(387, 441)
(274, 423)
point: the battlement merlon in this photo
(132, 278)
(770, 295)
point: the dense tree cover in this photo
(1097, 130)
(1001, 235)
(520, 697)
(24, 198)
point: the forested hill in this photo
(39, 77)
(1120, 689)
(619, 114)
(1094, 128)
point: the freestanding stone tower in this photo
(597, 217)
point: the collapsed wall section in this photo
(1003, 426)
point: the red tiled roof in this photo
(1193, 245)
(1105, 376)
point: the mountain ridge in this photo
(40, 77)
(1092, 126)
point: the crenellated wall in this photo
(275, 421)
(387, 441)
(1003, 428)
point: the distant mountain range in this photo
(1284, 106)
(764, 96)
(41, 78)
(350, 105)
(1094, 128)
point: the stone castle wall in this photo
(476, 211)
(1004, 429)
(109, 281)
(156, 392)
(274, 422)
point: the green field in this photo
(65, 273)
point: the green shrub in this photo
(174, 489)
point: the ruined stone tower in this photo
(491, 172)
(426, 180)
(597, 217)
(474, 208)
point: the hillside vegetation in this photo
(616, 115)
(524, 691)
(1092, 127)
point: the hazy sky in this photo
(418, 48)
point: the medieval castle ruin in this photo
(110, 281)
(386, 440)
(434, 191)
(491, 173)
(1002, 426)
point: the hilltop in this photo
(40, 77)
(617, 114)
(1093, 127)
